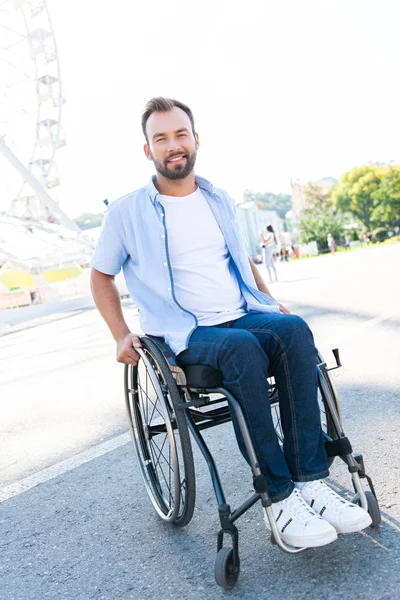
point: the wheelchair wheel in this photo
(373, 507)
(325, 387)
(226, 575)
(160, 436)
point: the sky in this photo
(295, 89)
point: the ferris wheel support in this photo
(45, 197)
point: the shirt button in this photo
(163, 236)
(165, 264)
(169, 289)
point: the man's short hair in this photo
(161, 104)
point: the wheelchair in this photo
(166, 403)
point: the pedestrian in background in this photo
(269, 249)
(331, 243)
(346, 242)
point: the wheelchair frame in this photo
(180, 409)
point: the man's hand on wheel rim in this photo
(126, 352)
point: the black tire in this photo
(160, 436)
(325, 388)
(373, 507)
(327, 378)
(226, 574)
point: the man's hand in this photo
(126, 352)
(283, 309)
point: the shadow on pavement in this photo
(308, 311)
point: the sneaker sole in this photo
(355, 526)
(311, 541)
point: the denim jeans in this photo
(246, 350)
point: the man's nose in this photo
(174, 146)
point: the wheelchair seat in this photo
(197, 376)
(202, 376)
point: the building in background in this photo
(299, 201)
(253, 217)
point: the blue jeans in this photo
(246, 350)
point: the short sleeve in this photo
(110, 253)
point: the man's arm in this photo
(108, 302)
(262, 286)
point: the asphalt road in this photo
(75, 522)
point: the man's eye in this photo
(182, 135)
(160, 140)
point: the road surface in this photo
(75, 521)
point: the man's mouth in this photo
(177, 158)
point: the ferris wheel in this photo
(31, 100)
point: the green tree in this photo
(89, 220)
(387, 211)
(281, 203)
(357, 193)
(316, 223)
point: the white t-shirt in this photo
(204, 281)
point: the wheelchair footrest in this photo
(340, 447)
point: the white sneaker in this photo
(299, 525)
(345, 516)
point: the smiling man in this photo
(185, 265)
(177, 165)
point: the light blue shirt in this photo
(134, 237)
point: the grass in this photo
(362, 246)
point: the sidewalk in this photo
(16, 319)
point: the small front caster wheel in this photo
(373, 508)
(226, 573)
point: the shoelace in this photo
(296, 504)
(324, 493)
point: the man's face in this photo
(172, 146)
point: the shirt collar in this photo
(201, 182)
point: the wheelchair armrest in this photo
(177, 371)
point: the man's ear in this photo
(196, 137)
(147, 151)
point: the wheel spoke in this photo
(156, 476)
(155, 409)
(166, 483)
(160, 450)
(168, 462)
(146, 405)
(152, 454)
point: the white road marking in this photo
(23, 485)
(371, 539)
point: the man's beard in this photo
(176, 171)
